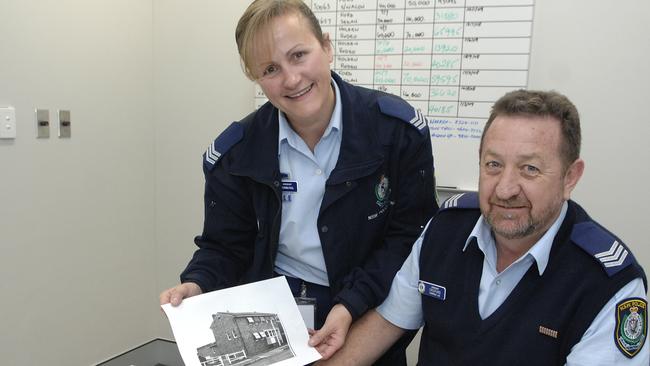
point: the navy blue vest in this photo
(543, 317)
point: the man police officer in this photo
(518, 274)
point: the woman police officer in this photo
(328, 184)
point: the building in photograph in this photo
(240, 337)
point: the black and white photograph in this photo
(253, 338)
(257, 324)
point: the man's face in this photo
(292, 69)
(522, 181)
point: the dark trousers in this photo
(395, 356)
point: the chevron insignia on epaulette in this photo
(461, 200)
(227, 139)
(398, 108)
(611, 253)
(211, 154)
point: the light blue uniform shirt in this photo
(596, 347)
(304, 175)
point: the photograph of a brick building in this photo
(243, 339)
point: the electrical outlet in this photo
(7, 123)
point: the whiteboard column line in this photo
(460, 71)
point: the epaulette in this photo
(398, 108)
(608, 250)
(227, 139)
(462, 201)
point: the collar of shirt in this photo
(540, 251)
(286, 133)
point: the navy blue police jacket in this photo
(542, 318)
(365, 238)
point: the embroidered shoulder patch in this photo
(398, 108)
(631, 325)
(608, 250)
(227, 139)
(461, 200)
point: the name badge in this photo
(307, 309)
(432, 290)
(289, 186)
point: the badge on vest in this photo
(631, 325)
(432, 290)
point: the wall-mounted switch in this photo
(64, 124)
(42, 123)
(7, 123)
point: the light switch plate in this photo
(7, 123)
(64, 124)
(42, 123)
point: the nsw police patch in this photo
(382, 190)
(631, 325)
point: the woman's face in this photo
(292, 68)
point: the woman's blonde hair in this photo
(258, 15)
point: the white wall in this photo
(77, 254)
(199, 89)
(93, 227)
(597, 54)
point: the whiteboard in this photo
(449, 58)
